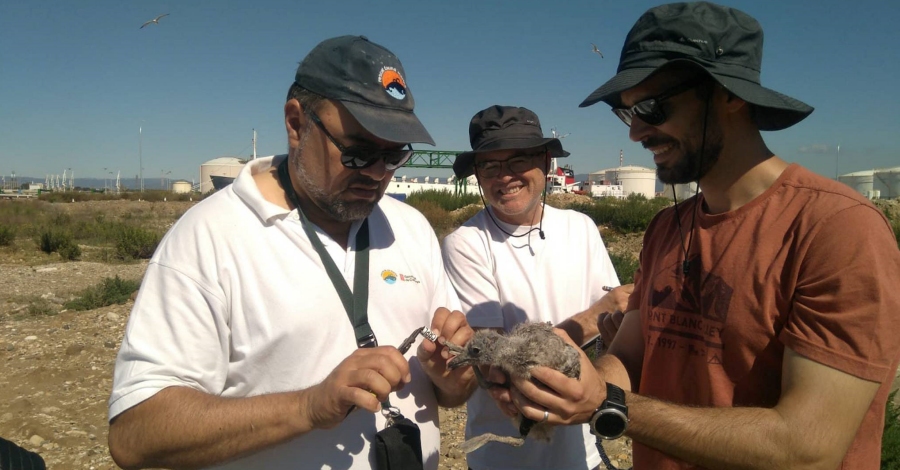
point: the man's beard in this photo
(696, 161)
(332, 204)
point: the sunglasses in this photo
(650, 110)
(357, 157)
(517, 164)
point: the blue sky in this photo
(78, 79)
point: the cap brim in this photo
(391, 125)
(464, 165)
(774, 111)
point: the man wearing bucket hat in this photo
(766, 333)
(240, 351)
(520, 260)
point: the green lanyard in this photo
(355, 303)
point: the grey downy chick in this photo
(526, 346)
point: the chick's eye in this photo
(476, 350)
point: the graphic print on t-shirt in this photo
(681, 322)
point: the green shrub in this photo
(630, 215)
(110, 291)
(625, 265)
(444, 199)
(890, 440)
(51, 240)
(460, 216)
(895, 224)
(70, 252)
(437, 217)
(135, 242)
(7, 235)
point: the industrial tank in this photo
(637, 179)
(860, 181)
(181, 187)
(219, 172)
(683, 191)
(887, 181)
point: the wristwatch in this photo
(610, 420)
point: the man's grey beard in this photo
(335, 207)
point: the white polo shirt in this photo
(503, 281)
(236, 303)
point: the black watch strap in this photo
(615, 395)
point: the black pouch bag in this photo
(399, 445)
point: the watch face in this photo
(610, 425)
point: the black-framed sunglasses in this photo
(651, 110)
(357, 157)
(517, 164)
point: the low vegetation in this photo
(147, 195)
(630, 215)
(94, 231)
(890, 440)
(109, 292)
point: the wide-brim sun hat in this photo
(724, 42)
(504, 128)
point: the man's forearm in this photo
(582, 326)
(721, 438)
(181, 427)
(458, 394)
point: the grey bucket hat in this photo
(369, 81)
(724, 42)
(504, 128)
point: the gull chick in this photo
(529, 345)
(154, 20)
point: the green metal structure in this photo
(437, 159)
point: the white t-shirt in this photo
(503, 281)
(236, 303)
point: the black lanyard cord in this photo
(356, 302)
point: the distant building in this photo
(181, 187)
(219, 172)
(622, 181)
(881, 183)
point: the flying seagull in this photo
(597, 50)
(154, 20)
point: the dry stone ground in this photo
(57, 370)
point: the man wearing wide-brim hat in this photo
(768, 331)
(520, 260)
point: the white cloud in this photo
(816, 149)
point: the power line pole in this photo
(141, 155)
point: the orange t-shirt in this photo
(809, 264)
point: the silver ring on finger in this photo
(546, 416)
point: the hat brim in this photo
(391, 125)
(773, 111)
(464, 165)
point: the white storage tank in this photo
(219, 172)
(860, 181)
(637, 179)
(683, 191)
(887, 182)
(181, 187)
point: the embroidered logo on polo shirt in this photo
(391, 277)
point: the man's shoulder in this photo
(818, 197)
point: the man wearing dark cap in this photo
(246, 347)
(520, 260)
(767, 331)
